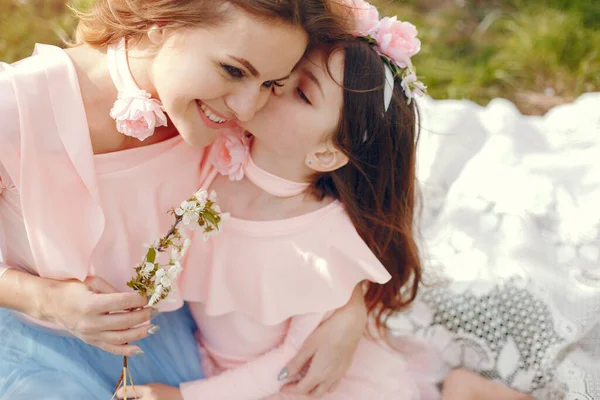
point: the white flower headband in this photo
(396, 42)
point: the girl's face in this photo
(303, 115)
(213, 78)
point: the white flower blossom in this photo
(189, 211)
(201, 196)
(213, 196)
(185, 246)
(155, 298)
(167, 277)
(147, 269)
(175, 256)
(412, 87)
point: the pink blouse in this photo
(64, 212)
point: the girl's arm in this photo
(259, 378)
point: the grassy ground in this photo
(536, 53)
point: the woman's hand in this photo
(154, 391)
(327, 354)
(96, 313)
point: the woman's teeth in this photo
(210, 115)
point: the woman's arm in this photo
(81, 308)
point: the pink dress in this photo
(260, 288)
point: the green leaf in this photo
(151, 255)
(211, 218)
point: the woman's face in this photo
(213, 78)
(305, 113)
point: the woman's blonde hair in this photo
(111, 20)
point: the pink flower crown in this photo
(395, 41)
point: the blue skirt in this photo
(38, 364)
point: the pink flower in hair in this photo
(366, 17)
(397, 40)
(229, 154)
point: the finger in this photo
(128, 335)
(297, 363)
(314, 377)
(137, 393)
(128, 350)
(333, 387)
(99, 285)
(104, 303)
(125, 320)
(320, 390)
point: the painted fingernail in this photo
(138, 352)
(154, 313)
(283, 374)
(153, 329)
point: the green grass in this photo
(536, 53)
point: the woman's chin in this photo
(198, 137)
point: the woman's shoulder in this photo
(36, 82)
(44, 58)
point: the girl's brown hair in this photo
(378, 185)
(111, 20)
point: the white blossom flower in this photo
(213, 196)
(185, 246)
(147, 269)
(189, 211)
(175, 256)
(155, 298)
(167, 277)
(412, 87)
(201, 196)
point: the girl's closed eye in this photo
(303, 96)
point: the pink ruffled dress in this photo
(260, 288)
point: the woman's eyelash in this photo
(233, 71)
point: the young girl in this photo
(93, 149)
(326, 202)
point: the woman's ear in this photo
(326, 159)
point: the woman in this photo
(83, 178)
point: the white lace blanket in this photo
(511, 218)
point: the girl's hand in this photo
(328, 352)
(153, 391)
(96, 313)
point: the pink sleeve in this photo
(4, 182)
(256, 379)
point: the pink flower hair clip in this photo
(396, 42)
